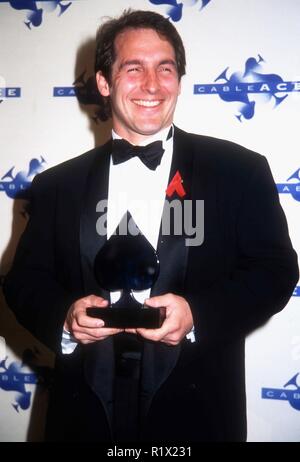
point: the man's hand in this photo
(86, 329)
(178, 322)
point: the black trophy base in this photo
(120, 317)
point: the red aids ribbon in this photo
(176, 185)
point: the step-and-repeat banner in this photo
(242, 84)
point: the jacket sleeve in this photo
(265, 271)
(31, 288)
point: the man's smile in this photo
(147, 103)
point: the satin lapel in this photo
(96, 190)
(99, 363)
(172, 250)
(160, 359)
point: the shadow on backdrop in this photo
(89, 100)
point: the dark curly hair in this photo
(132, 19)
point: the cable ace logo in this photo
(248, 87)
(16, 186)
(34, 11)
(174, 9)
(292, 188)
(290, 393)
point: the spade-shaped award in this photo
(127, 263)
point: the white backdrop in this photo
(49, 44)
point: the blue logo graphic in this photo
(84, 89)
(296, 292)
(9, 92)
(290, 393)
(14, 377)
(35, 11)
(238, 87)
(173, 8)
(292, 188)
(16, 186)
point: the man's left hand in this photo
(178, 322)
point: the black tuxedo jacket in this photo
(244, 272)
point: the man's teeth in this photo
(146, 103)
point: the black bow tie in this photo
(150, 155)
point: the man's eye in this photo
(166, 69)
(133, 69)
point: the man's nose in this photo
(151, 82)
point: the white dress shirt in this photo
(141, 191)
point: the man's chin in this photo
(150, 130)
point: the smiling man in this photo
(144, 84)
(185, 380)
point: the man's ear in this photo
(102, 84)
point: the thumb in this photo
(156, 302)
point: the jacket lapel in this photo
(172, 250)
(99, 364)
(95, 191)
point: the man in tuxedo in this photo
(184, 381)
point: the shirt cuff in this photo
(191, 335)
(68, 343)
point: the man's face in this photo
(144, 84)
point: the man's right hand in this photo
(84, 328)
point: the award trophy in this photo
(127, 263)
